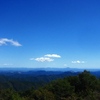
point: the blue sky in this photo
(50, 33)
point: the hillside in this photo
(62, 86)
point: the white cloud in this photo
(5, 41)
(52, 56)
(32, 59)
(78, 62)
(43, 59)
(6, 64)
(65, 65)
(46, 58)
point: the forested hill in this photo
(24, 80)
(21, 81)
(59, 86)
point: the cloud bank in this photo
(46, 58)
(78, 62)
(6, 64)
(53, 56)
(5, 41)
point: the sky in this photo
(50, 33)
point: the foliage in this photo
(84, 86)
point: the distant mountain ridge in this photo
(48, 69)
